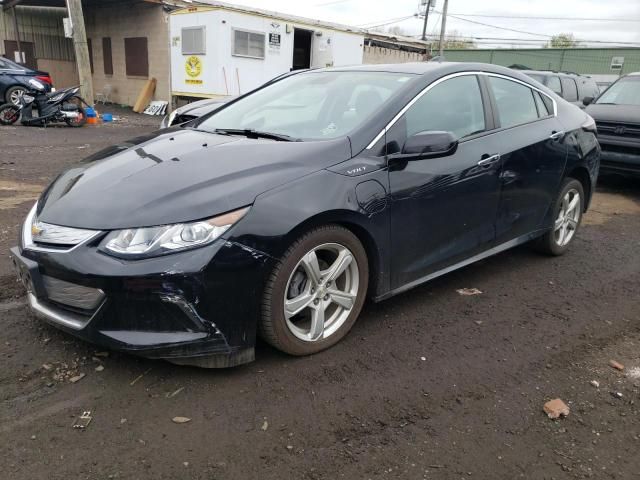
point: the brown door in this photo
(28, 49)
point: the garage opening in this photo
(301, 48)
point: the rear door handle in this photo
(556, 135)
(488, 160)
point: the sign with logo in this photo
(193, 66)
(617, 63)
(274, 40)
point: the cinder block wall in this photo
(120, 21)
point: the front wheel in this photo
(568, 210)
(315, 294)
(9, 114)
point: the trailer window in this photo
(193, 41)
(248, 44)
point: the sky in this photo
(367, 13)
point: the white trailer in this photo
(220, 50)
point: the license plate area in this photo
(28, 273)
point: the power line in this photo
(580, 19)
(500, 28)
(387, 22)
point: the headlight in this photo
(154, 241)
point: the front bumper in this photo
(619, 156)
(195, 307)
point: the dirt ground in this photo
(429, 384)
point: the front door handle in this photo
(556, 135)
(488, 160)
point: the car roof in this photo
(424, 68)
(633, 74)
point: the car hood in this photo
(614, 113)
(178, 175)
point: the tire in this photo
(9, 114)
(566, 223)
(12, 94)
(77, 122)
(292, 281)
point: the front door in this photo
(443, 209)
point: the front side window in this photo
(553, 83)
(625, 91)
(570, 89)
(248, 44)
(454, 105)
(312, 105)
(515, 102)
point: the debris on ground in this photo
(83, 420)
(595, 383)
(180, 419)
(135, 380)
(424, 359)
(265, 425)
(99, 368)
(616, 365)
(174, 393)
(556, 408)
(634, 373)
(101, 354)
(616, 394)
(77, 378)
(467, 292)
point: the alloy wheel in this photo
(321, 292)
(568, 218)
(16, 95)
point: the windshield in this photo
(624, 92)
(311, 105)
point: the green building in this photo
(603, 64)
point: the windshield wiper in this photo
(251, 133)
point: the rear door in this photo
(534, 154)
(570, 90)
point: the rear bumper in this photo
(199, 307)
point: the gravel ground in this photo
(428, 384)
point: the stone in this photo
(556, 408)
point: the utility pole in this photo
(426, 18)
(443, 29)
(82, 49)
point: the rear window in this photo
(553, 83)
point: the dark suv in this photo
(572, 87)
(617, 116)
(14, 80)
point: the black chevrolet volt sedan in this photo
(281, 212)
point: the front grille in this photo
(621, 149)
(47, 234)
(621, 130)
(72, 295)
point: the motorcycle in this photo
(60, 106)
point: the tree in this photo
(563, 40)
(454, 41)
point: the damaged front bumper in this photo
(198, 307)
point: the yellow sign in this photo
(193, 66)
(191, 81)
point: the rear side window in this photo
(553, 83)
(543, 110)
(3, 65)
(570, 89)
(516, 103)
(454, 106)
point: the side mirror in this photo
(587, 101)
(430, 144)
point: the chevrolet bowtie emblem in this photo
(36, 230)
